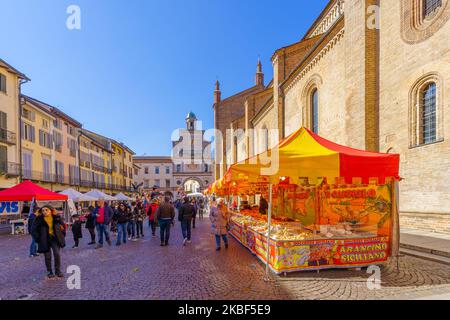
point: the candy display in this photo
(345, 232)
(294, 231)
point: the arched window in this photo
(428, 113)
(430, 7)
(421, 19)
(315, 111)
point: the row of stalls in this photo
(329, 206)
(17, 202)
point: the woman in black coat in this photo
(49, 231)
(90, 224)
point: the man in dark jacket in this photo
(165, 214)
(49, 231)
(185, 215)
(33, 245)
(90, 224)
(121, 216)
(103, 215)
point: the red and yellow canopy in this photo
(306, 155)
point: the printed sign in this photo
(9, 208)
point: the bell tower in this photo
(217, 93)
(259, 77)
(191, 121)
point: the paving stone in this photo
(144, 270)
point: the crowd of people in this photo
(125, 222)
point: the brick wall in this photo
(439, 223)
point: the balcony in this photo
(8, 137)
(86, 183)
(85, 164)
(38, 176)
(10, 169)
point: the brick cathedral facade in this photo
(368, 74)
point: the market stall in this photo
(76, 196)
(330, 206)
(98, 195)
(73, 198)
(122, 197)
(12, 200)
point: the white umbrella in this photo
(98, 195)
(77, 196)
(122, 197)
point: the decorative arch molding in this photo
(391, 150)
(415, 26)
(193, 179)
(415, 107)
(314, 83)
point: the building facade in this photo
(188, 170)
(191, 155)
(155, 172)
(10, 86)
(367, 74)
(41, 143)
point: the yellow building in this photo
(65, 133)
(128, 167)
(41, 143)
(63, 138)
(117, 164)
(38, 153)
(95, 165)
(10, 84)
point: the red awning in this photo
(27, 191)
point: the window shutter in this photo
(33, 134)
(3, 122)
(2, 83)
(50, 141)
(41, 138)
(3, 154)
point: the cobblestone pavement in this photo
(144, 270)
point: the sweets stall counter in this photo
(295, 248)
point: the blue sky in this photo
(137, 67)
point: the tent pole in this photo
(396, 222)
(269, 221)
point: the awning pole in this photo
(396, 222)
(269, 220)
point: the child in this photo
(76, 230)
